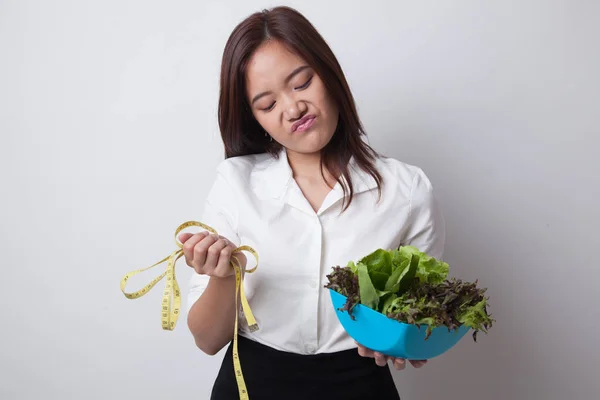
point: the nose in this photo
(294, 109)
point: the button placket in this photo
(311, 346)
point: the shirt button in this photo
(310, 348)
(313, 284)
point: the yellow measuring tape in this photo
(170, 312)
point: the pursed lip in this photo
(301, 121)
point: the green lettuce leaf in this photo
(408, 275)
(475, 316)
(378, 261)
(379, 266)
(430, 270)
(399, 258)
(368, 293)
(388, 302)
(352, 267)
(393, 282)
(379, 280)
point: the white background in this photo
(109, 140)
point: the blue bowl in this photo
(377, 332)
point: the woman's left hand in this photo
(382, 359)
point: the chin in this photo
(309, 145)
(307, 149)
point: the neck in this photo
(307, 167)
(304, 165)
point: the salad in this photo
(409, 286)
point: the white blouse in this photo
(255, 201)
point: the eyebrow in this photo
(289, 78)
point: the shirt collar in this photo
(276, 181)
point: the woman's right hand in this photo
(210, 254)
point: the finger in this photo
(188, 247)
(380, 359)
(223, 267)
(212, 255)
(185, 236)
(241, 257)
(363, 351)
(399, 363)
(200, 251)
(418, 363)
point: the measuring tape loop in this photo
(171, 300)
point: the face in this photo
(289, 100)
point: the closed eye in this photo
(269, 108)
(304, 86)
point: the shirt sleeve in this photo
(220, 213)
(426, 228)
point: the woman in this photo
(301, 186)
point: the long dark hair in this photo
(243, 135)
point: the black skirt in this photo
(273, 374)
